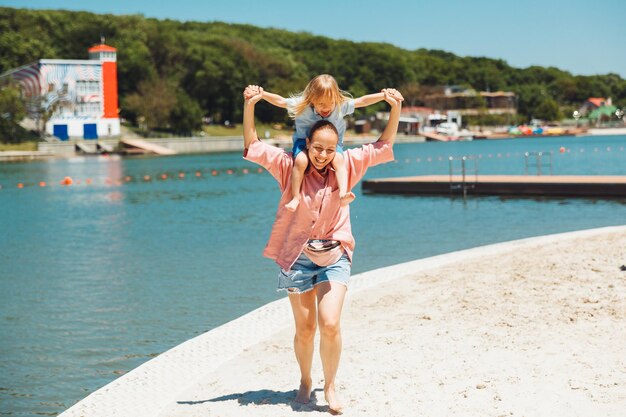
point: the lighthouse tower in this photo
(108, 56)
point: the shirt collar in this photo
(311, 170)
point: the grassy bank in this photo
(237, 129)
(24, 146)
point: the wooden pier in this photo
(509, 185)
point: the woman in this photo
(313, 245)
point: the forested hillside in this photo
(186, 70)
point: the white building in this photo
(81, 95)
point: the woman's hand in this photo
(394, 98)
(252, 94)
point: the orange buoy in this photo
(245, 170)
(146, 177)
(67, 181)
(20, 185)
(198, 174)
(88, 181)
(214, 172)
(128, 178)
(562, 149)
(163, 176)
(181, 175)
(229, 172)
(259, 170)
(42, 183)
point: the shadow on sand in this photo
(268, 397)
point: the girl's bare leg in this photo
(304, 312)
(345, 197)
(330, 297)
(297, 174)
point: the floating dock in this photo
(509, 185)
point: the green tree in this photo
(548, 109)
(12, 111)
(186, 116)
(153, 103)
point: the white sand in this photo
(531, 329)
(535, 327)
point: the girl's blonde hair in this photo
(322, 86)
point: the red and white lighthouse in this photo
(108, 56)
(80, 94)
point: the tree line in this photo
(171, 74)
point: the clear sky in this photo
(581, 36)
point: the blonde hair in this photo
(322, 86)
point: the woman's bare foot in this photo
(293, 204)
(304, 392)
(346, 199)
(334, 404)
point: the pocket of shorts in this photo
(287, 279)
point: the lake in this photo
(97, 278)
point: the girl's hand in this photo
(252, 94)
(392, 96)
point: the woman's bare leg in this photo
(304, 312)
(330, 297)
(297, 174)
(345, 197)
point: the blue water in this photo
(97, 279)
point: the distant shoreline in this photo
(218, 144)
(183, 146)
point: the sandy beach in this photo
(535, 330)
(533, 327)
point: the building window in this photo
(89, 109)
(84, 87)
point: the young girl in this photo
(321, 100)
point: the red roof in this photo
(102, 48)
(597, 101)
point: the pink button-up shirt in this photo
(319, 215)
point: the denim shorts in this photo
(305, 275)
(300, 144)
